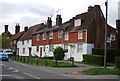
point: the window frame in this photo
(37, 48)
(51, 47)
(80, 35)
(51, 35)
(22, 42)
(77, 22)
(23, 50)
(37, 37)
(44, 36)
(60, 32)
(79, 48)
(66, 36)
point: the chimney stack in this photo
(90, 8)
(49, 22)
(58, 20)
(6, 28)
(118, 32)
(25, 29)
(17, 28)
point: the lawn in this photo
(101, 71)
(41, 62)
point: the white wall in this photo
(26, 45)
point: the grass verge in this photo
(101, 71)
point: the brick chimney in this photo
(118, 32)
(49, 22)
(17, 28)
(6, 28)
(90, 8)
(25, 29)
(58, 20)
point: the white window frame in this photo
(80, 35)
(22, 42)
(28, 41)
(66, 47)
(38, 37)
(112, 37)
(44, 36)
(37, 48)
(50, 47)
(77, 22)
(51, 35)
(15, 41)
(66, 36)
(23, 50)
(60, 32)
(79, 47)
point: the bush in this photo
(93, 59)
(58, 53)
(117, 62)
(111, 53)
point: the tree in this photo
(5, 42)
(58, 53)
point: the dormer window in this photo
(51, 35)
(38, 37)
(77, 22)
(44, 36)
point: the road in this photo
(13, 70)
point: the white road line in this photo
(15, 70)
(5, 75)
(31, 75)
(10, 68)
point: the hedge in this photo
(111, 53)
(117, 62)
(93, 59)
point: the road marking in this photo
(10, 68)
(31, 75)
(5, 75)
(15, 70)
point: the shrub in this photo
(93, 59)
(58, 53)
(111, 53)
(117, 62)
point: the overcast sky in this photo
(31, 12)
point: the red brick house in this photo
(77, 36)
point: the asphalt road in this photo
(12, 71)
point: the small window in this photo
(50, 47)
(23, 42)
(44, 48)
(60, 32)
(38, 37)
(66, 36)
(37, 48)
(108, 40)
(112, 37)
(23, 50)
(65, 47)
(27, 41)
(44, 36)
(77, 22)
(15, 41)
(80, 35)
(51, 35)
(79, 47)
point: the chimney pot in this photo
(17, 28)
(25, 28)
(6, 28)
(49, 22)
(58, 20)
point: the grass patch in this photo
(101, 71)
(41, 62)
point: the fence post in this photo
(56, 62)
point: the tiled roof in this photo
(30, 31)
(17, 36)
(6, 34)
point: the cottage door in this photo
(40, 51)
(72, 51)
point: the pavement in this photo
(72, 72)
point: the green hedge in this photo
(93, 59)
(111, 53)
(117, 62)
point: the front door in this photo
(40, 51)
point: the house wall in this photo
(20, 47)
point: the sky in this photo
(31, 12)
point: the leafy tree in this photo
(5, 42)
(58, 53)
